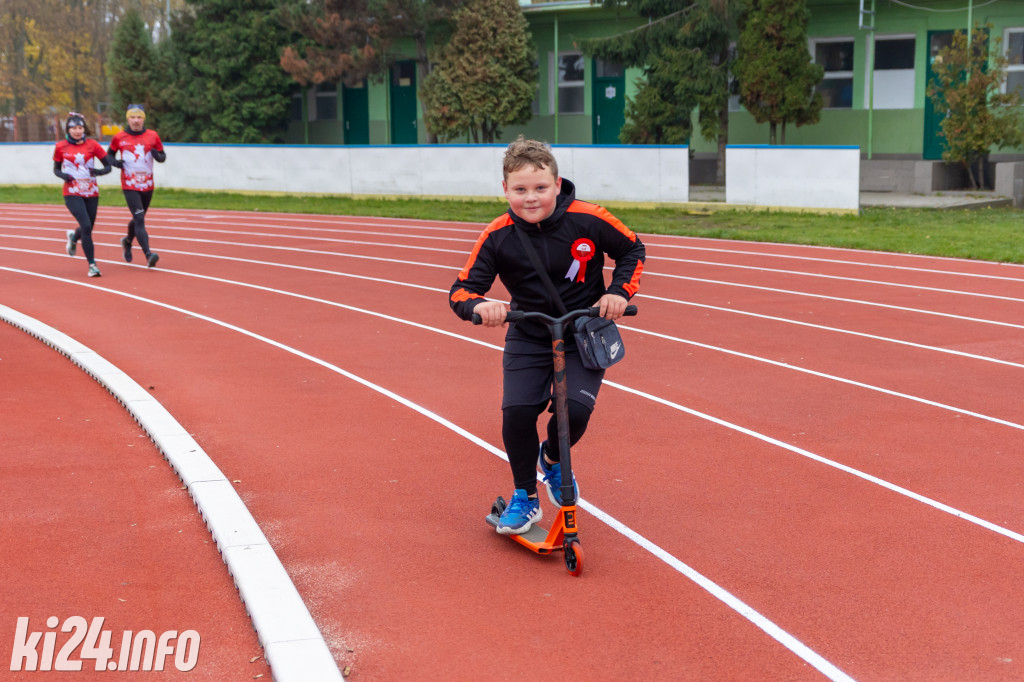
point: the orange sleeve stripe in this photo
(633, 285)
(461, 295)
(578, 206)
(496, 224)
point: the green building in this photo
(877, 56)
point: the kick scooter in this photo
(563, 533)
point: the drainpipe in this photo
(869, 27)
(558, 63)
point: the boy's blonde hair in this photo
(525, 152)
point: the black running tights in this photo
(84, 211)
(138, 204)
(519, 432)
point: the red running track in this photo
(807, 467)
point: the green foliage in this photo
(685, 54)
(131, 65)
(339, 42)
(978, 115)
(484, 77)
(652, 120)
(220, 77)
(774, 69)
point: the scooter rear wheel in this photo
(498, 508)
(573, 557)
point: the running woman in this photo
(74, 163)
(139, 147)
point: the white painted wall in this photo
(793, 177)
(601, 173)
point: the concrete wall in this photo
(826, 178)
(1010, 181)
(658, 174)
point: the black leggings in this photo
(138, 204)
(84, 211)
(519, 432)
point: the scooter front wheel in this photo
(573, 557)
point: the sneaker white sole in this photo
(509, 530)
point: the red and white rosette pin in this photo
(582, 251)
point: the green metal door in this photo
(609, 94)
(355, 107)
(934, 141)
(403, 103)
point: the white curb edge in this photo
(292, 643)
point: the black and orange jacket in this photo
(572, 244)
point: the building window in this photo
(1014, 42)
(836, 56)
(894, 72)
(570, 82)
(296, 108)
(403, 74)
(327, 102)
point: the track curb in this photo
(292, 643)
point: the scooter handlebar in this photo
(514, 315)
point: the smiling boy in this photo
(571, 238)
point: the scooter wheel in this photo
(498, 508)
(573, 557)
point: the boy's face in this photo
(532, 192)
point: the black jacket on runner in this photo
(571, 244)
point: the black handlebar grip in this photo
(476, 319)
(630, 310)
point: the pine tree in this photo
(131, 64)
(979, 116)
(774, 69)
(220, 75)
(484, 77)
(684, 51)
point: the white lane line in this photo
(291, 640)
(715, 420)
(828, 462)
(837, 330)
(734, 311)
(831, 377)
(887, 266)
(649, 239)
(306, 230)
(733, 602)
(859, 280)
(789, 292)
(656, 274)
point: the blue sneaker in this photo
(519, 515)
(553, 479)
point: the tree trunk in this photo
(723, 140)
(771, 133)
(969, 165)
(783, 133)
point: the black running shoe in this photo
(126, 246)
(152, 258)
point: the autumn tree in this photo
(684, 51)
(967, 86)
(339, 42)
(219, 75)
(484, 77)
(777, 78)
